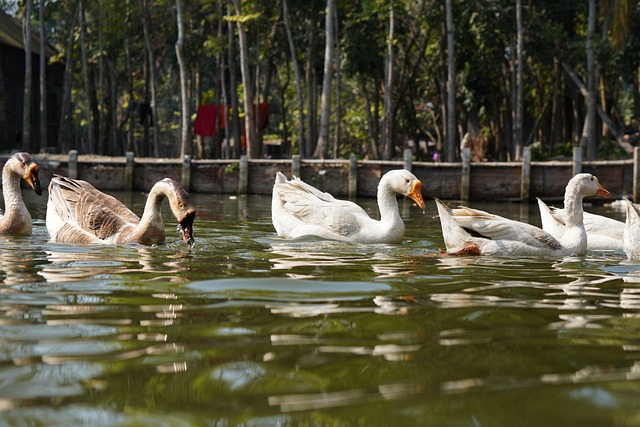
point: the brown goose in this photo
(79, 213)
(16, 218)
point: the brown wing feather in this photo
(93, 211)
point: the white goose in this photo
(79, 213)
(16, 218)
(299, 209)
(602, 233)
(631, 234)
(475, 232)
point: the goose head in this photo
(404, 182)
(23, 165)
(182, 208)
(585, 184)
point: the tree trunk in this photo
(184, 92)
(387, 115)
(589, 132)
(128, 121)
(233, 92)
(64, 132)
(101, 83)
(253, 150)
(325, 99)
(620, 140)
(636, 94)
(89, 141)
(26, 108)
(298, 78)
(519, 110)
(310, 78)
(146, 25)
(224, 124)
(451, 85)
(336, 141)
(371, 123)
(43, 77)
(4, 138)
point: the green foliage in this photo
(554, 33)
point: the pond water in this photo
(248, 329)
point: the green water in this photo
(248, 329)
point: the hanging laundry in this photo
(208, 118)
(205, 123)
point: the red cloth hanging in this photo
(263, 120)
(205, 123)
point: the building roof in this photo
(11, 34)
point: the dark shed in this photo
(12, 89)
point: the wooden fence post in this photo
(577, 160)
(243, 176)
(295, 165)
(465, 178)
(636, 174)
(128, 172)
(408, 154)
(186, 172)
(525, 177)
(73, 164)
(353, 176)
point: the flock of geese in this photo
(78, 213)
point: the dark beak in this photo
(186, 227)
(32, 179)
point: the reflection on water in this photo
(246, 328)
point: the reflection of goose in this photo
(471, 231)
(78, 213)
(602, 233)
(299, 209)
(16, 219)
(67, 263)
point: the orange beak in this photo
(602, 191)
(416, 195)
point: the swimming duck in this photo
(16, 218)
(602, 233)
(79, 213)
(299, 209)
(475, 232)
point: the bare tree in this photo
(146, 24)
(64, 133)
(325, 99)
(387, 115)
(519, 110)
(43, 77)
(184, 91)
(26, 108)
(90, 142)
(253, 150)
(589, 130)
(298, 78)
(233, 85)
(336, 141)
(451, 85)
(310, 77)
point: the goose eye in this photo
(407, 180)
